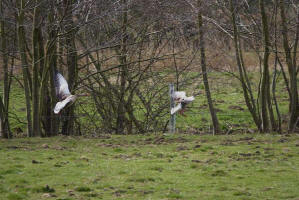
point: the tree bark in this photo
(247, 92)
(123, 71)
(216, 128)
(35, 69)
(294, 104)
(266, 106)
(44, 97)
(24, 62)
(50, 68)
(4, 128)
(275, 74)
(68, 124)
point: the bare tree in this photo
(36, 42)
(243, 77)
(216, 128)
(4, 102)
(71, 52)
(24, 63)
(291, 63)
(266, 107)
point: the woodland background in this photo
(238, 57)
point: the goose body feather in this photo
(62, 92)
(182, 100)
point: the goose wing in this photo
(61, 104)
(176, 109)
(179, 95)
(61, 86)
(188, 99)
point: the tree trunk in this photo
(44, 97)
(266, 106)
(4, 103)
(294, 104)
(247, 92)
(123, 71)
(216, 128)
(4, 126)
(35, 69)
(51, 66)
(275, 74)
(24, 62)
(68, 123)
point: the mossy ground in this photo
(151, 167)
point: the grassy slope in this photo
(151, 167)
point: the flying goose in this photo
(62, 92)
(182, 100)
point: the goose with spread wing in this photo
(63, 93)
(182, 100)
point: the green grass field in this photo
(151, 167)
